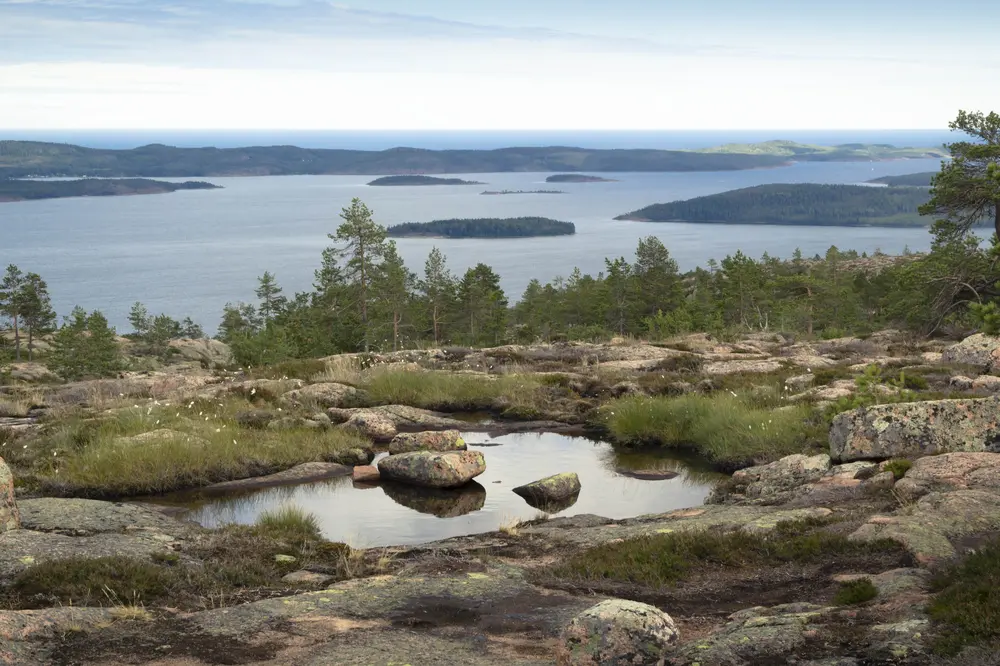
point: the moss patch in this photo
(855, 592)
(966, 607)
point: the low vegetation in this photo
(515, 227)
(24, 190)
(453, 392)
(855, 592)
(899, 467)
(966, 607)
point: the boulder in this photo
(916, 429)
(771, 483)
(210, 353)
(365, 474)
(981, 351)
(740, 367)
(619, 632)
(987, 383)
(255, 419)
(372, 425)
(951, 471)
(9, 517)
(441, 440)
(431, 469)
(325, 395)
(550, 490)
(355, 457)
(961, 383)
(402, 416)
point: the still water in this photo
(396, 515)
(188, 253)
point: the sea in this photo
(189, 253)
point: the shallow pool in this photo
(396, 515)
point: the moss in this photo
(966, 606)
(855, 592)
(899, 467)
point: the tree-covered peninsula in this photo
(796, 204)
(922, 179)
(517, 227)
(404, 181)
(25, 190)
(577, 178)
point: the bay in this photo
(188, 253)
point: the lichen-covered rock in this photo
(9, 517)
(372, 425)
(435, 440)
(353, 457)
(951, 471)
(551, 489)
(31, 372)
(402, 416)
(916, 429)
(617, 632)
(987, 383)
(304, 473)
(210, 353)
(800, 382)
(796, 478)
(982, 351)
(255, 419)
(325, 395)
(961, 383)
(740, 367)
(432, 469)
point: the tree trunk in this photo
(434, 318)
(996, 217)
(395, 331)
(31, 343)
(17, 340)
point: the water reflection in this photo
(367, 515)
(553, 506)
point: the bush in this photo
(966, 607)
(898, 467)
(855, 592)
(85, 346)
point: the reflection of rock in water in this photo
(437, 502)
(647, 474)
(554, 507)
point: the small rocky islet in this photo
(837, 554)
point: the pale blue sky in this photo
(495, 64)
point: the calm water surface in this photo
(390, 515)
(188, 253)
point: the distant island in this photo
(28, 190)
(922, 179)
(22, 159)
(397, 181)
(797, 204)
(517, 227)
(523, 192)
(577, 178)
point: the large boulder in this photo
(981, 351)
(554, 489)
(617, 632)
(916, 429)
(9, 517)
(372, 425)
(799, 480)
(325, 395)
(431, 469)
(951, 471)
(210, 353)
(443, 440)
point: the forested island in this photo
(796, 204)
(516, 227)
(33, 158)
(577, 178)
(500, 192)
(398, 181)
(922, 179)
(27, 190)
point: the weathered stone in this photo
(647, 474)
(325, 395)
(9, 515)
(372, 425)
(617, 632)
(307, 578)
(353, 457)
(986, 383)
(256, 419)
(365, 474)
(800, 382)
(916, 429)
(739, 367)
(210, 353)
(311, 471)
(551, 489)
(292, 423)
(775, 482)
(961, 383)
(440, 502)
(982, 351)
(432, 469)
(403, 417)
(31, 372)
(438, 440)
(881, 481)
(951, 471)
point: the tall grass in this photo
(727, 429)
(451, 391)
(289, 522)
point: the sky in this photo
(495, 64)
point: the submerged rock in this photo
(304, 473)
(9, 517)
(375, 426)
(647, 474)
(441, 440)
(617, 632)
(443, 503)
(916, 429)
(550, 490)
(432, 469)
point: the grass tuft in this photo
(855, 592)
(452, 392)
(289, 523)
(898, 467)
(966, 607)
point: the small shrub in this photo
(165, 558)
(855, 592)
(90, 581)
(898, 467)
(966, 607)
(290, 523)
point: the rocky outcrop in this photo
(31, 372)
(372, 425)
(324, 395)
(211, 354)
(916, 429)
(403, 417)
(617, 631)
(981, 351)
(742, 367)
(304, 473)
(798, 479)
(951, 471)
(431, 469)
(439, 440)
(9, 516)
(552, 490)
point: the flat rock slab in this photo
(304, 473)
(84, 517)
(951, 471)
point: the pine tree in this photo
(11, 294)
(484, 305)
(393, 286)
(364, 251)
(36, 310)
(271, 300)
(85, 346)
(438, 289)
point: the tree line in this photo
(489, 227)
